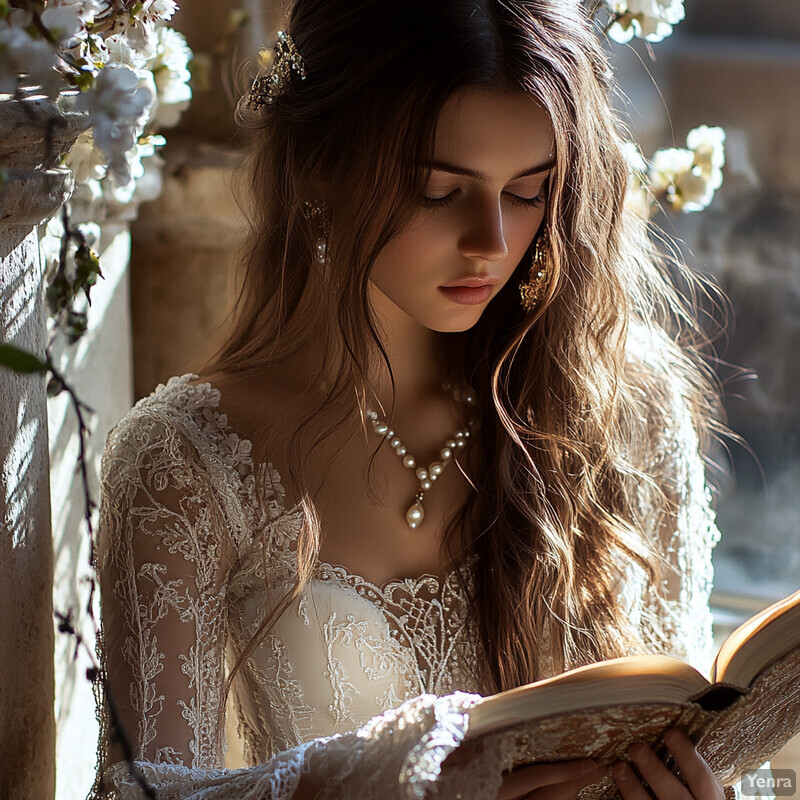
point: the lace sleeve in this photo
(685, 538)
(163, 560)
(397, 755)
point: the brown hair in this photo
(566, 447)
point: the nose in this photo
(483, 236)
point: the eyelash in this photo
(525, 202)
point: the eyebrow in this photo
(455, 169)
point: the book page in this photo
(620, 681)
(758, 642)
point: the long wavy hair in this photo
(564, 460)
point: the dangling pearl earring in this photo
(318, 214)
(320, 246)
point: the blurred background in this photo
(732, 63)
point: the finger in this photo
(568, 790)
(521, 781)
(664, 782)
(628, 783)
(696, 772)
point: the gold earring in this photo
(532, 290)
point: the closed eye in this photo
(438, 202)
(526, 202)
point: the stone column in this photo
(34, 132)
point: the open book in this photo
(740, 718)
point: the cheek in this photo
(415, 255)
(524, 227)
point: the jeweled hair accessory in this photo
(287, 59)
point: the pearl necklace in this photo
(426, 477)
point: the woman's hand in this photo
(561, 781)
(701, 784)
(552, 781)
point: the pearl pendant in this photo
(415, 515)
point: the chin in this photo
(454, 323)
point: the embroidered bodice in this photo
(365, 685)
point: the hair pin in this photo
(287, 59)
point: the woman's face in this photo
(482, 206)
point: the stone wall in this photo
(27, 730)
(34, 187)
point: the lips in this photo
(467, 295)
(472, 283)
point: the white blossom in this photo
(141, 75)
(117, 105)
(666, 164)
(85, 10)
(86, 48)
(155, 10)
(708, 147)
(692, 192)
(22, 54)
(63, 23)
(634, 156)
(140, 29)
(637, 195)
(121, 52)
(170, 68)
(652, 20)
(19, 18)
(688, 177)
(85, 159)
(139, 161)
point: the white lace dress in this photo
(363, 685)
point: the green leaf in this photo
(54, 386)
(18, 360)
(87, 270)
(83, 81)
(76, 326)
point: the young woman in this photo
(449, 445)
